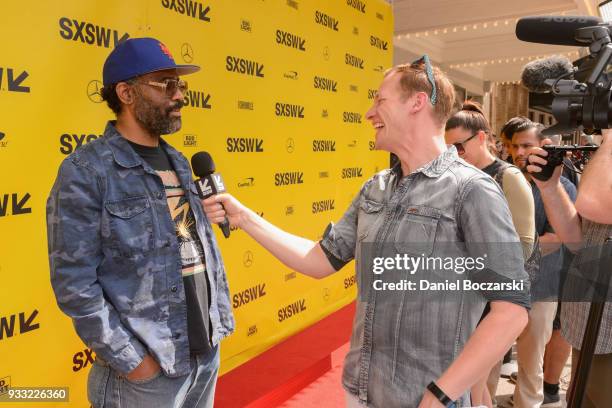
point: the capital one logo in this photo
(14, 81)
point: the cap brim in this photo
(180, 69)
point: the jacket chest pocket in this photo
(416, 230)
(369, 212)
(130, 225)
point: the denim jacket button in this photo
(173, 289)
(177, 335)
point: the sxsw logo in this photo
(188, 8)
(291, 310)
(244, 66)
(323, 145)
(14, 81)
(325, 84)
(323, 205)
(352, 172)
(190, 141)
(378, 43)
(288, 178)
(197, 99)
(353, 61)
(351, 117)
(244, 145)
(357, 5)
(246, 105)
(8, 328)
(17, 207)
(372, 93)
(290, 40)
(289, 110)
(248, 295)
(82, 359)
(326, 20)
(69, 142)
(88, 33)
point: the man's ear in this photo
(125, 93)
(420, 100)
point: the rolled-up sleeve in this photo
(74, 209)
(488, 232)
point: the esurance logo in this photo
(291, 310)
(244, 66)
(323, 145)
(197, 99)
(249, 295)
(69, 142)
(353, 61)
(357, 5)
(288, 178)
(326, 20)
(289, 110)
(351, 117)
(188, 8)
(378, 43)
(14, 82)
(244, 145)
(352, 172)
(89, 33)
(325, 84)
(323, 205)
(290, 40)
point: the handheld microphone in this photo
(209, 183)
(556, 30)
(537, 72)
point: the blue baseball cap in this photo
(138, 56)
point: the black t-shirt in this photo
(192, 254)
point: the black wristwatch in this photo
(440, 395)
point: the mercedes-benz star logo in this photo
(94, 91)
(290, 145)
(187, 52)
(247, 259)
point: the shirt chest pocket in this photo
(369, 213)
(416, 230)
(130, 225)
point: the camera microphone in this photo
(536, 72)
(556, 30)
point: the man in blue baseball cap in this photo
(134, 261)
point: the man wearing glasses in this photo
(134, 261)
(413, 348)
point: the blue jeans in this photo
(107, 389)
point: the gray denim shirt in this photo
(115, 260)
(402, 340)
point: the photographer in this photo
(580, 235)
(595, 196)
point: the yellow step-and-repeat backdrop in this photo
(279, 103)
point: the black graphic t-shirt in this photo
(192, 254)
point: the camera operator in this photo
(578, 235)
(595, 195)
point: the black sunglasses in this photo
(459, 146)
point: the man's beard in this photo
(157, 119)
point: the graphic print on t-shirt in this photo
(192, 255)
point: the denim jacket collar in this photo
(435, 167)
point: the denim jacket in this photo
(115, 261)
(402, 340)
